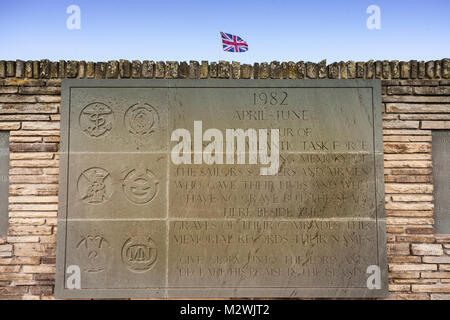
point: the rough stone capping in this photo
(45, 69)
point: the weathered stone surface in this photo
(124, 68)
(370, 69)
(147, 69)
(398, 249)
(204, 70)
(159, 69)
(100, 70)
(291, 70)
(36, 72)
(400, 124)
(405, 70)
(61, 68)
(32, 108)
(343, 70)
(408, 188)
(406, 147)
(82, 69)
(437, 69)
(435, 125)
(247, 71)
(20, 68)
(395, 69)
(301, 70)
(417, 108)
(264, 71)
(255, 74)
(386, 70)
(213, 70)
(414, 69)
(90, 70)
(427, 249)
(378, 69)
(284, 70)
(44, 69)
(431, 288)
(427, 90)
(10, 68)
(223, 70)
(412, 267)
(333, 71)
(9, 89)
(421, 229)
(360, 69)
(28, 69)
(445, 68)
(172, 69)
(421, 70)
(399, 90)
(322, 69)
(72, 69)
(2, 69)
(193, 70)
(136, 69)
(33, 147)
(183, 71)
(235, 70)
(275, 70)
(351, 70)
(311, 70)
(112, 69)
(407, 178)
(429, 70)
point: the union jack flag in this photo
(232, 43)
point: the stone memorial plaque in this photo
(221, 188)
(441, 179)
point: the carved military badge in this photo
(95, 186)
(139, 185)
(141, 120)
(139, 253)
(96, 120)
(95, 251)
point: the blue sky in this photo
(184, 30)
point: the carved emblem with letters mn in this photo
(139, 254)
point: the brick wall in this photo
(416, 100)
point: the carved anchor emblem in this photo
(96, 119)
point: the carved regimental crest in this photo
(139, 185)
(96, 120)
(95, 252)
(139, 253)
(141, 120)
(95, 186)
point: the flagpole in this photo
(220, 46)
